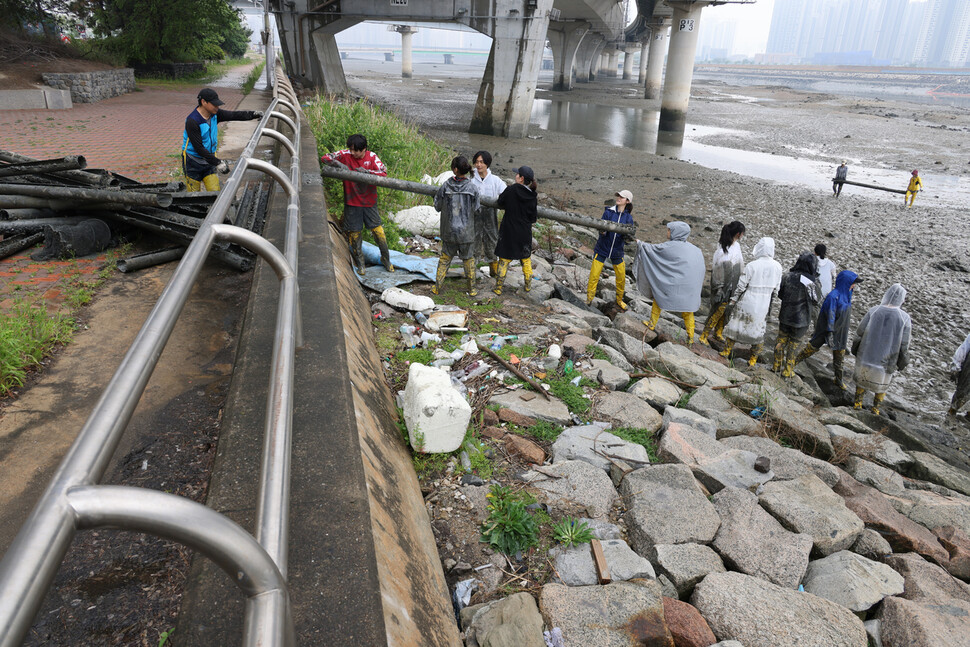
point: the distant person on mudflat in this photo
(726, 269)
(200, 139)
(826, 269)
(841, 173)
(610, 246)
(751, 301)
(672, 274)
(960, 373)
(915, 186)
(457, 200)
(486, 218)
(801, 296)
(881, 346)
(360, 200)
(521, 205)
(832, 324)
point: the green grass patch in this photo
(509, 527)
(572, 395)
(28, 333)
(252, 77)
(684, 399)
(639, 436)
(408, 154)
(212, 72)
(598, 353)
(419, 355)
(525, 350)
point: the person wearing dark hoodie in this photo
(881, 346)
(520, 202)
(610, 247)
(800, 296)
(457, 199)
(832, 325)
(672, 273)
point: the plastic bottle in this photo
(407, 333)
(420, 318)
(497, 343)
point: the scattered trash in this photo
(513, 359)
(451, 330)
(466, 462)
(758, 412)
(420, 318)
(441, 318)
(427, 338)
(398, 298)
(469, 346)
(407, 333)
(576, 380)
(553, 637)
(568, 366)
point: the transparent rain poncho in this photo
(457, 201)
(760, 281)
(883, 342)
(673, 272)
(725, 272)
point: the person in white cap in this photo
(610, 247)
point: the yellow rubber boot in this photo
(594, 279)
(493, 269)
(719, 331)
(876, 401)
(356, 253)
(620, 269)
(503, 268)
(712, 320)
(859, 394)
(790, 359)
(728, 347)
(780, 344)
(688, 318)
(470, 268)
(443, 263)
(755, 353)
(527, 273)
(381, 240)
(807, 352)
(654, 317)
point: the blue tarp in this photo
(407, 269)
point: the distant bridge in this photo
(586, 38)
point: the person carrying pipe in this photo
(486, 218)
(832, 325)
(457, 201)
(201, 138)
(520, 203)
(841, 173)
(915, 186)
(881, 346)
(759, 284)
(360, 200)
(726, 268)
(672, 273)
(610, 246)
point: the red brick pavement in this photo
(138, 134)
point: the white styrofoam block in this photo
(435, 413)
(422, 220)
(439, 320)
(404, 300)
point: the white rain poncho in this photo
(960, 368)
(672, 271)
(725, 272)
(882, 342)
(760, 282)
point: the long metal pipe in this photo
(870, 186)
(14, 245)
(149, 259)
(69, 163)
(88, 195)
(26, 214)
(429, 189)
(30, 202)
(36, 224)
(90, 178)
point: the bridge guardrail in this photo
(74, 500)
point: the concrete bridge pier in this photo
(565, 40)
(628, 62)
(508, 87)
(326, 71)
(644, 54)
(655, 62)
(407, 33)
(680, 64)
(585, 57)
(612, 61)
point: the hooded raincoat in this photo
(800, 296)
(515, 232)
(960, 367)
(673, 271)
(725, 271)
(883, 342)
(457, 200)
(760, 281)
(832, 325)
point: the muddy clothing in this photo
(200, 139)
(725, 272)
(960, 368)
(826, 275)
(486, 218)
(515, 233)
(841, 173)
(800, 296)
(611, 245)
(457, 200)
(882, 342)
(671, 272)
(359, 195)
(759, 283)
(832, 325)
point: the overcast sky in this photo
(752, 20)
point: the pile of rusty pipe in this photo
(83, 177)
(13, 245)
(429, 189)
(30, 202)
(69, 163)
(88, 195)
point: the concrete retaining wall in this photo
(35, 99)
(91, 87)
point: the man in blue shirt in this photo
(201, 137)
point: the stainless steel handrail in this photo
(74, 501)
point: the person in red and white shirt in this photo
(360, 200)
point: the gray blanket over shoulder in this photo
(673, 271)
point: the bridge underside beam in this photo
(508, 87)
(565, 42)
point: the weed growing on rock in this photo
(640, 436)
(510, 528)
(571, 532)
(598, 353)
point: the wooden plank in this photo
(602, 568)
